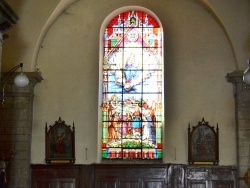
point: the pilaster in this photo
(16, 114)
(242, 117)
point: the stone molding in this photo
(7, 16)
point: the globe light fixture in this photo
(21, 80)
(246, 75)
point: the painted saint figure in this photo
(149, 114)
(60, 143)
(131, 73)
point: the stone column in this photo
(16, 114)
(242, 118)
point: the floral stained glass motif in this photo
(132, 88)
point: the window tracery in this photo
(132, 87)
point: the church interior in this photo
(204, 52)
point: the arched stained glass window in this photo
(132, 87)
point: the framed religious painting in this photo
(60, 143)
(203, 144)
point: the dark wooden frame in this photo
(60, 143)
(133, 175)
(203, 144)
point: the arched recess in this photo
(210, 9)
(62, 5)
(131, 93)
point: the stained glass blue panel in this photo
(132, 88)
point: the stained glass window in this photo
(132, 87)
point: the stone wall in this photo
(242, 118)
(16, 111)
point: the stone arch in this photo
(64, 4)
(210, 9)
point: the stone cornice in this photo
(235, 77)
(8, 82)
(7, 16)
(36, 76)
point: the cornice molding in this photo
(235, 77)
(7, 16)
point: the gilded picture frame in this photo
(203, 144)
(60, 143)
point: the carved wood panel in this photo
(106, 182)
(55, 183)
(55, 176)
(41, 183)
(197, 184)
(130, 182)
(156, 183)
(210, 176)
(223, 184)
(133, 176)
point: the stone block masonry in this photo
(242, 119)
(16, 129)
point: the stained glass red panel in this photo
(132, 88)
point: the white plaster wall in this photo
(201, 47)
